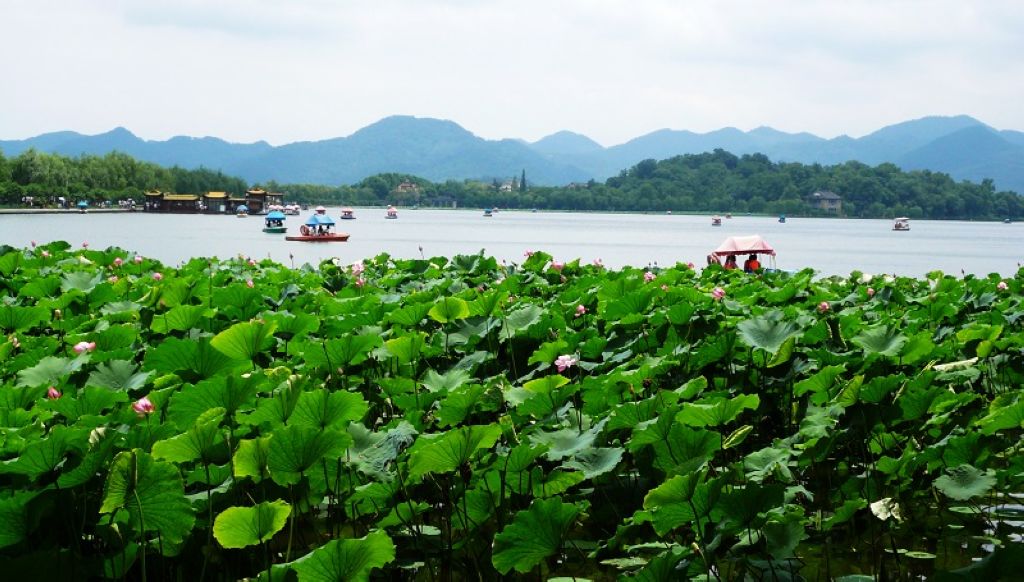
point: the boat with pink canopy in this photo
(743, 245)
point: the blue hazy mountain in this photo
(438, 150)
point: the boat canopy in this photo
(744, 245)
(242, 208)
(319, 219)
(276, 215)
(82, 203)
(320, 209)
(902, 219)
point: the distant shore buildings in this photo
(256, 200)
(826, 201)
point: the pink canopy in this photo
(744, 245)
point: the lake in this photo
(831, 246)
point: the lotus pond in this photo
(460, 419)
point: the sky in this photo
(301, 70)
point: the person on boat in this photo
(751, 265)
(730, 262)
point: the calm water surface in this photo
(831, 246)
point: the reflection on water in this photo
(831, 246)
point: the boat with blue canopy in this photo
(318, 229)
(242, 211)
(274, 222)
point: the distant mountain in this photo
(438, 150)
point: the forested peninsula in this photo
(715, 182)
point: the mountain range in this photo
(438, 150)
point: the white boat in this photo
(902, 223)
(716, 221)
(392, 213)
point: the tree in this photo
(522, 181)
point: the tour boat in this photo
(291, 209)
(488, 213)
(736, 246)
(318, 229)
(346, 213)
(242, 211)
(902, 223)
(392, 213)
(275, 222)
(782, 218)
(716, 221)
(83, 206)
(728, 215)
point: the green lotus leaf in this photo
(535, 533)
(965, 482)
(451, 449)
(662, 568)
(323, 409)
(596, 461)
(449, 309)
(782, 537)
(244, 341)
(716, 411)
(15, 524)
(251, 458)
(15, 318)
(118, 375)
(196, 443)
(293, 325)
(458, 404)
(349, 350)
(554, 483)
(409, 315)
(450, 380)
(44, 455)
(767, 332)
(116, 337)
(373, 453)
(230, 393)
(681, 500)
(406, 348)
(83, 281)
(90, 401)
(180, 318)
(195, 356)
(241, 527)
(742, 505)
(151, 492)
(520, 320)
(350, 560)
(489, 304)
(881, 340)
(567, 442)
(50, 370)
(295, 449)
(769, 462)
(820, 384)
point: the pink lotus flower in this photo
(46, 254)
(649, 276)
(249, 283)
(691, 265)
(557, 265)
(871, 291)
(33, 244)
(158, 277)
(360, 282)
(824, 307)
(1002, 286)
(718, 293)
(137, 259)
(82, 347)
(597, 263)
(528, 253)
(252, 263)
(565, 362)
(52, 393)
(118, 262)
(664, 287)
(358, 268)
(112, 278)
(143, 406)
(580, 310)
(85, 244)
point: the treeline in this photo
(715, 182)
(114, 176)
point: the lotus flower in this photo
(57, 314)
(358, 268)
(118, 262)
(871, 291)
(1002, 286)
(252, 262)
(718, 293)
(249, 283)
(85, 244)
(52, 393)
(649, 276)
(33, 244)
(691, 265)
(360, 282)
(528, 253)
(143, 406)
(157, 276)
(137, 259)
(664, 287)
(824, 307)
(14, 342)
(46, 254)
(597, 263)
(82, 347)
(565, 362)
(580, 310)
(112, 278)
(557, 265)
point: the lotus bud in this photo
(57, 314)
(664, 287)
(580, 310)
(718, 293)
(1002, 286)
(648, 277)
(528, 253)
(249, 283)
(82, 347)
(14, 342)
(85, 244)
(112, 279)
(33, 244)
(357, 268)
(143, 406)
(823, 307)
(691, 265)
(157, 276)
(252, 262)
(137, 259)
(597, 263)
(52, 393)
(360, 282)
(118, 262)
(557, 265)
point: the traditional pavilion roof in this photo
(216, 195)
(256, 192)
(155, 193)
(181, 197)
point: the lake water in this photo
(831, 246)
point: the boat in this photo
(318, 229)
(83, 206)
(1007, 221)
(346, 213)
(902, 223)
(782, 218)
(242, 211)
(488, 213)
(275, 222)
(716, 221)
(728, 215)
(291, 210)
(392, 213)
(751, 245)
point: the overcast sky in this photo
(293, 70)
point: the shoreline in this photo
(63, 210)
